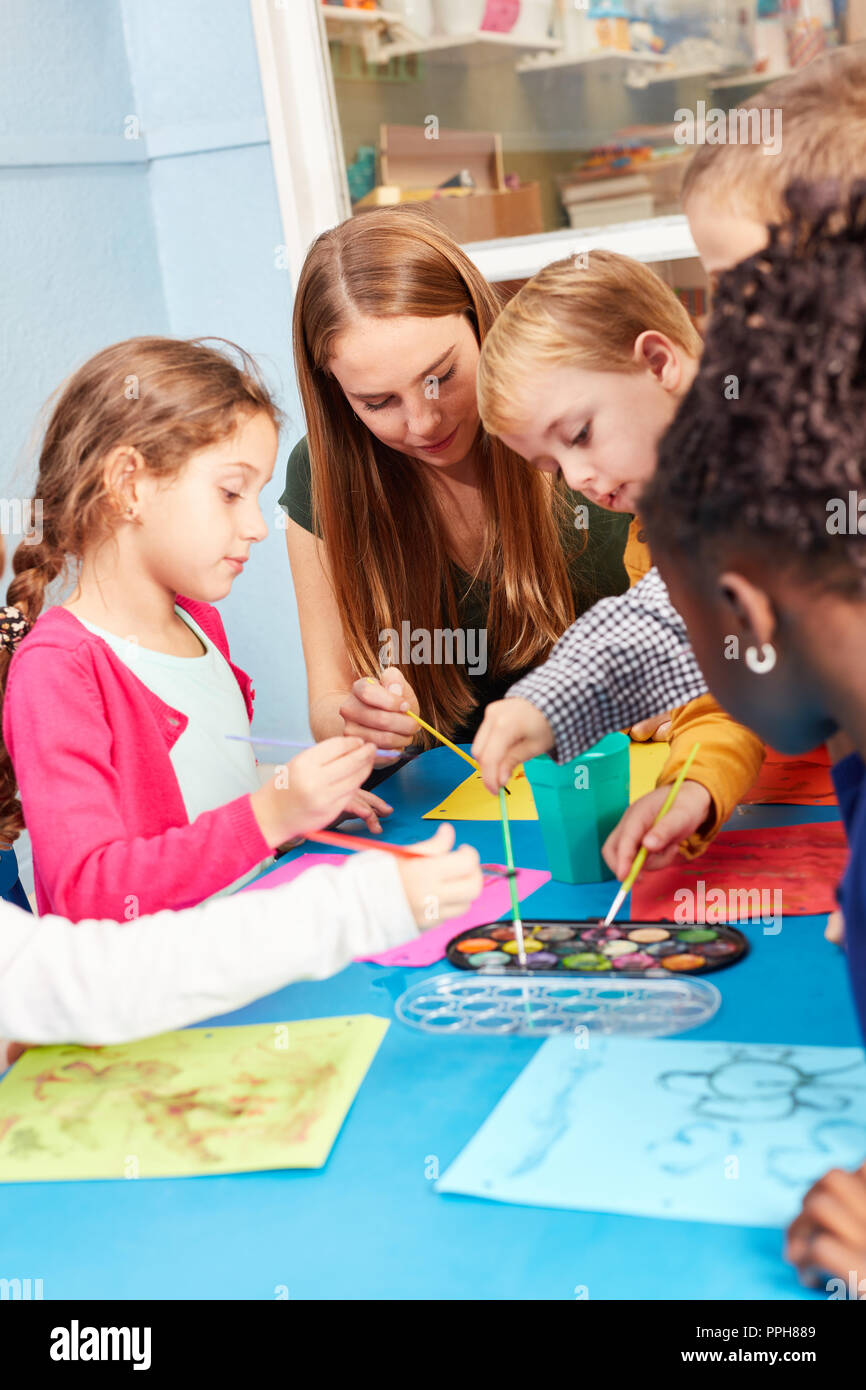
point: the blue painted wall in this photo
(103, 237)
(78, 257)
(213, 199)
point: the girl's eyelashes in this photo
(582, 438)
(229, 495)
(447, 376)
(380, 405)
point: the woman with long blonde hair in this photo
(432, 565)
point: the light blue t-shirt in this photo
(211, 769)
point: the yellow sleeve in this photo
(727, 763)
(637, 559)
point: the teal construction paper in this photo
(726, 1132)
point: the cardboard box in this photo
(412, 162)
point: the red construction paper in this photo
(802, 863)
(802, 781)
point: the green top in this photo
(596, 572)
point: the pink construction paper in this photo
(430, 945)
(287, 872)
(494, 900)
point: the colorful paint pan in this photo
(686, 961)
(633, 950)
(586, 960)
(603, 934)
(484, 960)
(542, 960)
(714, 950)
(641, 961)
(619, 948)
(529, 945)
(557, 933)
(666, 948)
(649, 934)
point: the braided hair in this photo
(770, 440)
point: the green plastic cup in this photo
(578, 805)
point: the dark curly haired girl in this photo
(757, 519)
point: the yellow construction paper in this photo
(646, 761)
(470, 799)
(204, 1100)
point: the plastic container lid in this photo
(538, 1006)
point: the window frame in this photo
(301, 112)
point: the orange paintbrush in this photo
(355, 842)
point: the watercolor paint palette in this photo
(633, 949)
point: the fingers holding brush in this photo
(441, 882)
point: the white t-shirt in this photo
(211, 769)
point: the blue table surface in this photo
(369, 1224)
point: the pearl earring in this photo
(762, 663)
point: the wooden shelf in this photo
(338, 14)
(517, 258)
(674, 75)
(472, 49)
(749, 79)
(606, 58)
(371, 30)
(384, 35)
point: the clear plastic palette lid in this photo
(488, 1006)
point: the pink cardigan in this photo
(90, 747)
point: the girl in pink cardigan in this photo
(116, 704)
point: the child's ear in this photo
(123, 467)
(656, 353)
(749, 609)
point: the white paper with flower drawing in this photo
(726, 1132)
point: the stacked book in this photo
(625, 182)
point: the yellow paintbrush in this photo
(641, 855)
(441, 737)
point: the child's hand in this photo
(312, 789)
(655, 730)
(829, 1235)
(444, 884)
(835, 928)
(511, 732)
(368, 807)
(636, 828)
(373, 710)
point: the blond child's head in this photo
(583, 370)
(733, 192)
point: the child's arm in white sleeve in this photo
(104, 982)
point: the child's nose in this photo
(577, 475)
(256, 527)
